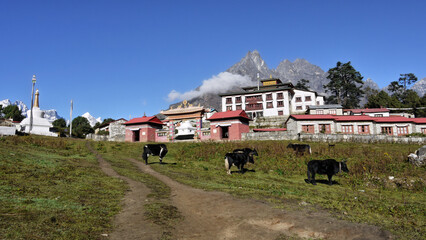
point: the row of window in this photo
(331, 111)
(307, 99)
(349, 129)
(255, 98)
(164, 134)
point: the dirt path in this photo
(217, 215)
(130, 223)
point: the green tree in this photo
(302, 84)
(412, 100)
(345, 85)
(12, 111)
(107, 120)
(407, 79)
(1, 110)
(61, 125)
(399, 88)
(422, 112)
(382, 99)
(81, 127)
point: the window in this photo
(378, 115)
(255, 114)
(162, 134)
(254, 106)
(364, 129)
(269, 96)
(299, 108)
(320, 112)
(229, 100)
(308, 98)
(324, 128)
(387, 130)
(206, 133)
(239, 107)
(402, 131)
(332, 112)
(280, 95)
(298, 99)
(254, 98)
(308, 128)
(238, 100)
(269, 105)
(423, 130)
(348, 129)
(280, 104)
(228, 108)
(280, 113)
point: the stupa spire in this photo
(37, 102)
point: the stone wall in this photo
(269, 122)
(117, 131)
(97, 137)
(332, 137)
(7, 131)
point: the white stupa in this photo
(186, 128)
(40, 126)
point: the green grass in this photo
(53, 189)
(364, 195)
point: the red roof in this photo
(367, 110)
(269, 129)
(314, 117)
(393, 119)
(352, 118)
(419, 120)
(229, 114)
(152, 119)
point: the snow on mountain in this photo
(91, 119)
(5, 103)
(51, 115)
(21, 105)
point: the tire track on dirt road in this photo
(130, 223)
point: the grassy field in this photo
(53, 188)
(366, 194)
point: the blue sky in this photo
(122, 58)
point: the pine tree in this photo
(345, 85)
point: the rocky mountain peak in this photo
(420, 87)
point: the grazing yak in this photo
(238, 158)
(154, 150)
(300, 149)
(328, 166)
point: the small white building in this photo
(332, 109)
(372, 112)
(271, 98)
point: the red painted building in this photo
(229, 125)
(142, 129)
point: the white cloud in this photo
(216, 84)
